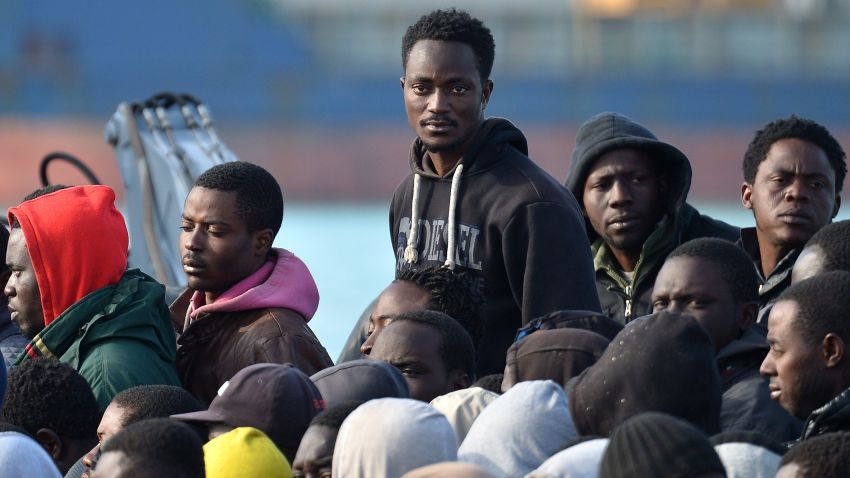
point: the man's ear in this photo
(50, 441)
(459, 379)
(401, 82)
(263, 241)
(837, 205)
(833, 350)
(486, 91)
(747, 195)
(748, 311)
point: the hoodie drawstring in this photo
(411, 256)
(450, 252)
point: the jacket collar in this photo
(834, 416)
(749, 242)
(654, 250)
(58, 337)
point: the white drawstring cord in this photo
(450, 252)
(411, 256)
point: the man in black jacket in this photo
(633, 189)
(713, 281)
(793, 173)
(474, 200)
(809, 360)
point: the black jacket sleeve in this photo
(547, 260)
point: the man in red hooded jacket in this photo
(72, 296)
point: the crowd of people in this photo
(598, 328)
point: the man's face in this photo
(111, 423)
(794, 366)
(397, 298)
(793, 194)
(315, 453)
(810, 262)
(218, 249)
(443, 95)
(22, 288)
(622, 198)
(695, 287)
(414, 349)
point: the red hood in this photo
(77, 241)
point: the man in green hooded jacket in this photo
(633, 189)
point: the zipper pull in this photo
(628, 303)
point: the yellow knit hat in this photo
(244, 452)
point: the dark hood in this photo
(360, 380)
(558, 354)
(495, 133)
(609, 131)
(664, 363)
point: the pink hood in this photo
(283, 282)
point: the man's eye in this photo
(659, 304)
(186, 228)
(460, 89)
(419, 88)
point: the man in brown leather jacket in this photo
(247, 302)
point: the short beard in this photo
(431, 148)
(634, 246)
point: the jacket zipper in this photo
(628, 312)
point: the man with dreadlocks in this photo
(431, 288)
(473, 200)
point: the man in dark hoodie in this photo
(793, 173)
(473, 199)
(72, 296)
(808, 364)
(632, 188)
(713, 281)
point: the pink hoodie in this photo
(282, 282)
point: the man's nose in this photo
(796, 190)
(192, 240)
(767, 369)
(438, 102)
(621, 194)
(366, 348)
